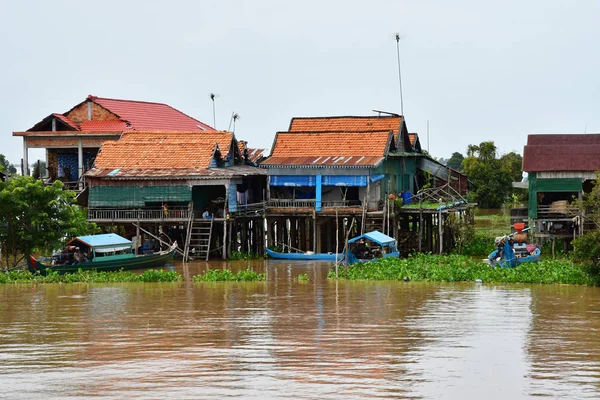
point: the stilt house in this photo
(173, 178)
(561, 168)
(72, 139)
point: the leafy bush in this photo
(586, 250)
(242, 255)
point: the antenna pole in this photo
(212, 97)
(399, 74)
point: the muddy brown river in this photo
(283, 338)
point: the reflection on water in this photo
(288, 339)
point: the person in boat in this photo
(77, 256)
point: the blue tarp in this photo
(292, 180)
(107, 239)
(376, 237)
(344, 180)
(375, 178)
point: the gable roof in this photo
(341, 149)
(346, 124)
(163, 150)
(144, 115)
(562, 152)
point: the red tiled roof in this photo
(329, 148)
(346, 124)
(163, 149)
(143, 115)
(66, 120)
(103, 126)
(573, 152)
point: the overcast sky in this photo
(476, 70)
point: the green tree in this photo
(37, 217)
(455, 162)
(6, 167)
(492, 182)
(513, 163)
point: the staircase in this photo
(199, 236)
(373, 221)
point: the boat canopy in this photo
(107, 239)
(375, 236)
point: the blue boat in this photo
(365, 247)
(372, 245)
(309, 255)
(512, 250)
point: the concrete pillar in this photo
(25, 170)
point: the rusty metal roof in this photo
(323, 161)
(562, 152)
(174, 173)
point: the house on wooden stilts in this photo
(189, 185)
(561, 169)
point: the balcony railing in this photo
(311, 203)
(141, 214)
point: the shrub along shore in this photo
(151, 275)
(456, 268)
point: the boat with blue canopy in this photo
(368, 246)
(104, 252)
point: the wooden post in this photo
(420, 224)
(314, 231)
(137, 235)
(440, 227)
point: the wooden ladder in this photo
(200, 236)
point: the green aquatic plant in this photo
(214, 275)
(302, 277)
(150, 275)
(455, 268)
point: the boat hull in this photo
(137, 262)
(303, 256)
(511, 263)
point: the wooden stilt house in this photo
(175, 179)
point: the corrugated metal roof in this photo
(175, 173)
(106, 239)
(322, 161)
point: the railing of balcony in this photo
(291, 203)
(141, 214)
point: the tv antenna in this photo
(234, 117)
(212, 97)
(398, 37)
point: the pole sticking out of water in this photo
(398, 37)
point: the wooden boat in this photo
(106, 252)
(362, 248)
(309, 255)
(372, 245)
(513, 250)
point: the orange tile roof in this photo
(413, 138)
(163, 149)
(329, 148)
(346, 124)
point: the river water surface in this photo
(282, 338)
